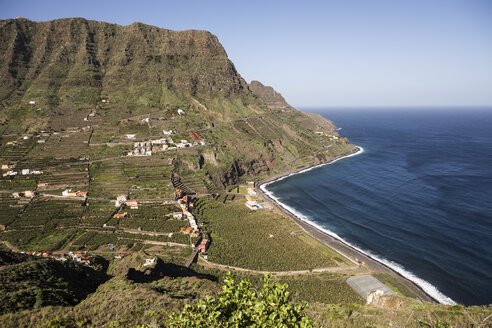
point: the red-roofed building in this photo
(203, 245)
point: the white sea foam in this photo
(425, 285)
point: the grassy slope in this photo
(68, 67)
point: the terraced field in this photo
(45, 211)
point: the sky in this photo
(350, 53)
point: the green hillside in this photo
(94, 114)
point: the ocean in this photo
(417, 198)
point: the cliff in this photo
(56, 72)
(77, 60)
(272, 98)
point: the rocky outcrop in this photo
(255, 167)
(272, 98)
(378, 299)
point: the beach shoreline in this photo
(336, 244)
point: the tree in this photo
(239, 305)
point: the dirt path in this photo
(10, 246)
(223, 267)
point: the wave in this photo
(424, 284)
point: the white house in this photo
(149, 261)
(130, 136)
(252, 205)
(32, 102)
(167, 132)
(177, 215)
(120, 199)
(25, 171)
(181, 112)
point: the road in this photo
(223, 267)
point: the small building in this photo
(120, 215)
(32, 102)
(29, 193)
(181, 112)
(131, 203)
(186, 231)
(25, 172)
(203, 245)
(149, 261)
(167, 132)
(120, 199)
(251, 191)
(146, 120)
(70, 193)
(41, 141)
(10, 173)
(82, 194)
(177, 215)
(11, 142)
(131, 136)
(253, 205)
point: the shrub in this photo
(238, 305)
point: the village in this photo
(146, 148)
(78, 257)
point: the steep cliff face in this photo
(57, 73)
(272, 98)
(74, 60)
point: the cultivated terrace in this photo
(129, 159)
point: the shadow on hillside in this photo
(161, 269)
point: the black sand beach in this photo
(336, 244)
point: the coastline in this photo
(329, 240)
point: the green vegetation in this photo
(394, 284)
(238, 305)
(92, 83)
(41, 282)
(238, 235)
(196, 299)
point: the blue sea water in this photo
(418, 198)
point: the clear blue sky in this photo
(326, 53)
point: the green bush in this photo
(238, 305)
